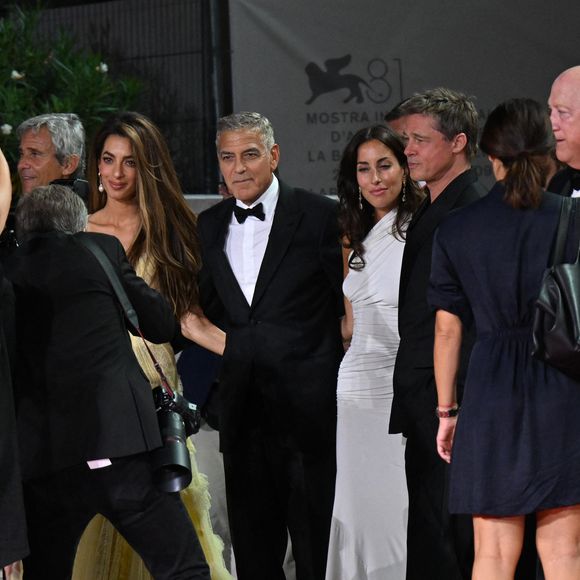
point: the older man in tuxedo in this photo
(271, 277)
(564, 103)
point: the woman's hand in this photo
(445, 436)
(196, 327)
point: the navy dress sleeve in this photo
(445, 291)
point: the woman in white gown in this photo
(368, 534)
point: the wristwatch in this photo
(446, 413)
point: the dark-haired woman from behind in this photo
(377, 199)
(514, 446)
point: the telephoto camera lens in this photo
(171, 464)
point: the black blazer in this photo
(281, 360)
(414, 363)
(565, 181)
(80, 392)
(13, 542)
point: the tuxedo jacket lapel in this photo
(561, 183)
(287, 216)
(225, 281)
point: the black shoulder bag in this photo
(178, 418)
(556, 330)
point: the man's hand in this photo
(445, 436)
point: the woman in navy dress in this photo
(514, 447)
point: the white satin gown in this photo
(368, 533)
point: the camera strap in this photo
(126, 305)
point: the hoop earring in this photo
(360, 206)
(404, 192)
(100, 187)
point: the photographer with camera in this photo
(136, 197)
(85, 413)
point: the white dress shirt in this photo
(246, 243)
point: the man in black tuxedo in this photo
(271, 277)
(440, 126)
(564, 103)
(85, 413)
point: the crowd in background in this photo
(380, 413)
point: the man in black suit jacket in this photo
(441, 131)
(271, 277)
(85, 413)
(564, 103)
(13, 542)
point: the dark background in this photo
(178, 49)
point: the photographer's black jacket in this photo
(13, 541)
(80, 392)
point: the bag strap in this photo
(113, 279)
(126, 305)
(562, 232)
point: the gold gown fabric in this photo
(103, 554)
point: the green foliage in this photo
(38, 75)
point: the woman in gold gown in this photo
(136, 196)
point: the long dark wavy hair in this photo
(518, 133)
(168, 232)
(356, 222)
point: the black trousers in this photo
(271, 490)
(439, 544)
(155, 524)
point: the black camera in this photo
(178, 419)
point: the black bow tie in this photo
(242, 214)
